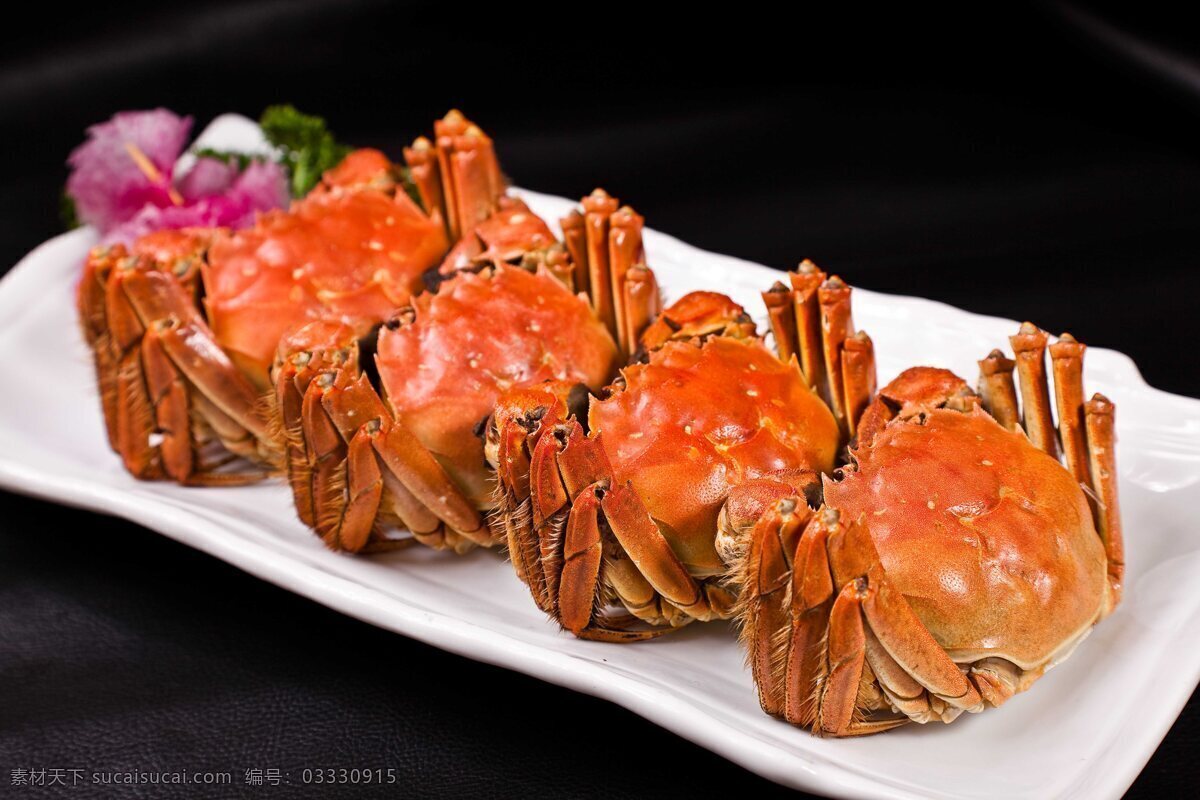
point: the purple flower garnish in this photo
(123, 180)
(125, 165)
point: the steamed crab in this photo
(615, 508)
(380, 426)
(953, 564)
(183, 326)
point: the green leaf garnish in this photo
(307, 148)
(66, 211)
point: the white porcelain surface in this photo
(1085, 730)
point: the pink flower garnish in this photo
(108, 183)
(123, 180)
(207, 176)
(262, 186)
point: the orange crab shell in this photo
(504, 236)
(477, 336)
(348, 250)
(989, 538)
(698, 420)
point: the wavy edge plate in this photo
(1108, 769)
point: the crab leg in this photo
(1103, 461)
(134, 418)
(1066, 355)
(423, 170)
(806, 282)
(470, 174)
(768, 569)
(845, 650)
(837, 326)
(168, 394)
(582, 553)
(901, 633)
(326, 457)
(598, 207)
(812, 597)
(291, 384)
(404, 455)
(560, 548)
(422, 523)
(357, 488)
(624, 250)
(364, 489)
(781, 314)
(605, 245)
(858, 377)
(1029, 346)
(813, 322)
(580, 591)
(641, 538)
(409, 460)
(536, 543)
(575, 238)
(94, 318)
(642, 303)
(897, 685)
(998, 391)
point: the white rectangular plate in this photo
(1085, 730)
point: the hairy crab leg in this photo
(325, 452)
(997, 390)
(409, 460)
(1066, 356)
(858, 377)
(575, 239)
(642, 540)
(580, 591)
(579, 584)
(604, 241)
(93, 316)
(134, 418)
(811, 647)
(168, 394)
(902, 634)
(781, 316)
(467, 158)
(806, 282)
(1029, 346)
(1086, 430)
(1101, 438)
(401, 453)
(291, 384)
(597, 208)
(625, 250)
(845, 647)
(425, 174)
(813, 321)
(767, 572)
(837, 326)
(812, 597)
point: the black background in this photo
(1023, 164)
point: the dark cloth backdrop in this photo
(1033, 163)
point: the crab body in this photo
(366, 457)
(626, 507)
(501, 314)
(478, 336)
(183, 326)
(694, 422)
(355, 250)
(954, 562)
